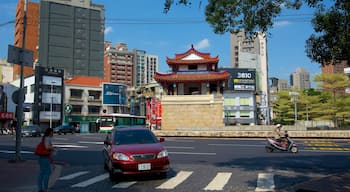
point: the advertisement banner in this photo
(114, 94)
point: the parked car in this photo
(31, 131)
(64, 129)
(134, 151)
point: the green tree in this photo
(331, 24)
(335, 85)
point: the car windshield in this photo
(30, 127)
(134, 137)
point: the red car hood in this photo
(138, 148)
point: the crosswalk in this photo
(219, 181)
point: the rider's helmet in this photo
(278, 125)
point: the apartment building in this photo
(134, 68)
(71, 36)
(251, 53)
(300, 79)
(32, 34)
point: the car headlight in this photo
(120, 156)
(163, 153)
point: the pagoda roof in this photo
(192, 56)
(191, 76)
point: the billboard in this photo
(242, 79)
(114, 94)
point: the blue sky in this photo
(142, 25)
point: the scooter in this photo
(273, 144)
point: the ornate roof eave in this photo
(170, 61)
(191, 77)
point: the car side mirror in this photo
(161, 139)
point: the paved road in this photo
(197, 164)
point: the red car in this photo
(132, 151)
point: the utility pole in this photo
(18, 156)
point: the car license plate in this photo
(144, 166)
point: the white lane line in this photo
(91, 142)
(57, 138)
(188, 153)
(219, 181)
(234, 145)
(74, 175)
(124, 185)
(91, 181)
(176, 147)
(13, 152)
(265, 182)
(173, 182)
(69, 146)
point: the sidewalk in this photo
(18, 176)
(333, 183)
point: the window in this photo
(32, 87)
(94, 109)
(244, 101)
(76, 108)
(76, 93)
(229, 101)
(244, 114)
(192, 67)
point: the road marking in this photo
(265, 182)
(69, 146)
(91, 181)
(91, 142)
(218, 182)
(176, 147)
(124, 185)
(173, 182)
(235, 145)
(13, 152)
(189, 153)
(74, 175)
(57, 138)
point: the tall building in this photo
(71, 36)
(300, 79)
(139, 67)
(118, 64)
(252, 54)
(151, 68)
(32, 34)
(134, 68)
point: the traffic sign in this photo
(18, 55)
(68, 108)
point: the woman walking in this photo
(45, 162)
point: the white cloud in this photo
(108, 30)
(281, 23)
(204, 43)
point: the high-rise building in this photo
(300, 79)
(118, 64)
(71, 36)
(134, 68)
(151, 68)
(252, 53)
(32, 34)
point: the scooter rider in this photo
(281, 138)
(278, 133)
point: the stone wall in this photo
(191, 112)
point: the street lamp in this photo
(51, 85)
(295, 99)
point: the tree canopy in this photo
(331, 23)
